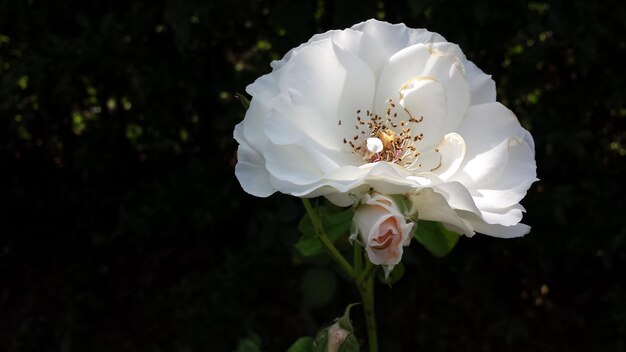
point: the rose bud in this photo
(382, 228)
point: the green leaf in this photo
(303, 344)
(251, 343)
(336, 222)
(437, 239)
(308, 245)
(318, 287)
(243, 99)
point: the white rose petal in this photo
(385, 108)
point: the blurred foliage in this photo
(123, 228)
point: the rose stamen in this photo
(382, 141)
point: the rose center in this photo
(384, 241)
(386, 138)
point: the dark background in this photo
(123, 228)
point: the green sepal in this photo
(336, 222)
(435, 238)
(243, 99)
(393, 277)
(344, 320)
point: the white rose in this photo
(382, 229)
(388, 108)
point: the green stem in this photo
(363, 277)
(358, 260)
(365, 284)
(368, 270)
(321, 234)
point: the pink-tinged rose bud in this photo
(382, 228)
(336, 336)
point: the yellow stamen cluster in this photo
(397, 138)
